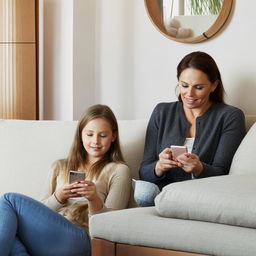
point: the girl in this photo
(59, 226)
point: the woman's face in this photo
(195, 89)
(97, 137)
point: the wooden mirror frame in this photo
(155, 16)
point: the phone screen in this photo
(76, 176)
(178, 150)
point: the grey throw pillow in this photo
(229, 199)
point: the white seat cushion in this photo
(144, 227)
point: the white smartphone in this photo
(178, 150)
(76, 176)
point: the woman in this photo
(60, 227)
(200, 120)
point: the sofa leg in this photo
(102, 247)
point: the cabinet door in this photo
(17, 20)
(18, 81)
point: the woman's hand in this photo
(65, 192)
(190, 163)
(165, 162)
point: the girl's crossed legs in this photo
(28, 227)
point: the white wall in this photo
(133, 66)
(141, 69)
(58, 59)
(69, 56)
(83, 55)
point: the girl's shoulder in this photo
(115, 168)
(59, 165)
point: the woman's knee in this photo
(145, 193)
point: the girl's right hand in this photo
(165, 162)
(64, 193)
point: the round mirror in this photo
(188, 21)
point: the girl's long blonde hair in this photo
(77, 155)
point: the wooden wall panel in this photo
(18, 81)
(18, 59)
(17, 21)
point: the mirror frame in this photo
(154, 13)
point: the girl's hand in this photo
(86, 189)
(165, 162)
(190, 163)
(65, 192)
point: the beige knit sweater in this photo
(114, 187)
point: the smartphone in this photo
(178, 150)
(76, 176)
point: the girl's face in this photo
(97, 137)
(195, 88)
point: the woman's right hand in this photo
(165, 162)
(64, 193)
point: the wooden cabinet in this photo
(18, 59)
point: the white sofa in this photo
(28, 148)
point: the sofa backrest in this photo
(28, 148)
(132, 138)
(249, 121)
(243, 160)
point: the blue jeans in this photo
(27, 227)
(145, 192)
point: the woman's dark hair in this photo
(205, 63)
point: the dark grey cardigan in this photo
(219, 132)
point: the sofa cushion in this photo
(245, 154)
(226, 199)
(144, 227)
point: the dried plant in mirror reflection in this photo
(204, 7)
